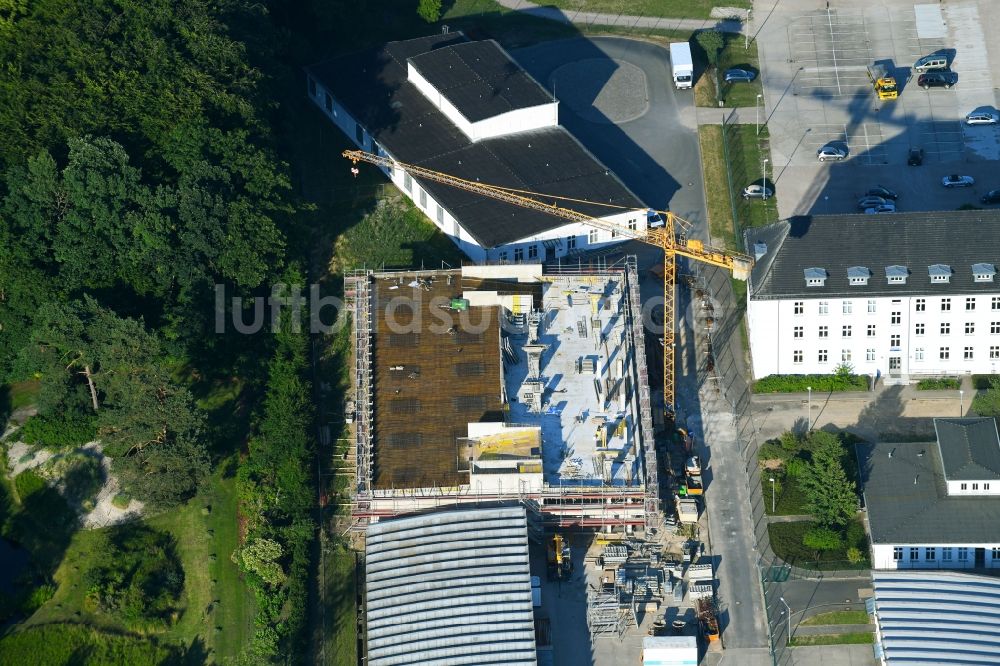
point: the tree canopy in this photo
(830, 495)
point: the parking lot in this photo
(817, 90)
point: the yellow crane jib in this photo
(671, 238)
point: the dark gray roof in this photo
(372, 86)
(901, 511)
(480, 79)
(937, 617)
(917, 241)
(970, 448)
(450, 587)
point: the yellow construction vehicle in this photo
(671, 237)
(883, 81)
(559, 559)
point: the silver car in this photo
(956, 180)
(757, 192)
(982, 118)
(870, 202)
(830, 152)
(887, 207)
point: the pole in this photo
(772, 494)
(763, 172)
(746, 32)
(788, 637)
(809, 413)
(961, 403)
(756, 108)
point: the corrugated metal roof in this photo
(937, 617)
(452, 587)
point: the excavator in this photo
(559, 560)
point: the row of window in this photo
(931, 552)
(847, 330)
(944, 354)
(975, 486)
(920, 305)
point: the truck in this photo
(670, 651)
(687, 509)
(560, 563)
(883, 81)
(682, 64)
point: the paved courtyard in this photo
(817, 90)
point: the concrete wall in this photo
(774, 345)
(883, 556)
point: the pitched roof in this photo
(907, 500)
(914, 241)
(937, 617)
(480, 79)
(373, 87)
(450, 587)
(969, 448)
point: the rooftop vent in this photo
(815, 277)
(939, 273)
(759, 250)
(983, 272)
(896, 274)
(858, 275)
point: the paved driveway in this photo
(817, 90)
(617, 98)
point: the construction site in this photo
(504, 383)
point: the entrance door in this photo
(550, 253)
(980, 558)
(895, 363)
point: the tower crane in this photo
(670, 238)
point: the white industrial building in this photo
(465, 108)
(935, 504)
(897, 296)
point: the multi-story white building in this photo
(893, 295)
(935, 504)
(466, 109)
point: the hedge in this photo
(819, 383)
(983, 382)
(939, 384)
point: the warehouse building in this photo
(449, 587)
(897, 296)
(935, 504)
(465, 108)
(935, 617)
(504, 383)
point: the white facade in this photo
(893, 336)
(936, 556)
(517, 120)
(546, 246)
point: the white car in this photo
(829, 152)
(887, 207)
(982, 117)
(757, 192)
(954, 180)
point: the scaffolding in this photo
(605, 615)
(357, 288)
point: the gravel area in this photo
(602, 90)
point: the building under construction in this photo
(504, 383)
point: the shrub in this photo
(855, 556)
(772, 450)
(939, 384)
(794, 467)
(60, 430)
(819, 383)
(121, 500)
(821, 538)
(982, 382)
(27, 483)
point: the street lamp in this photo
(756, 108)
(772, 493)
(809, 412)
(961, 403)
(746, 32)
(763, 171)
(788, 638)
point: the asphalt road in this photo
(617, 99)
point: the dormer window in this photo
(815, 277)
(896, 274)
(939, 273)
(983, 272)
(858, 275)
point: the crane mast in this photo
(670, 238)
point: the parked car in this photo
(866, 202)
(830, 152)
(757, 192)
(935, 61)
(736, 75)
(982, 117)
(879, 191)
(945, 79)
(887, 207)
(955, 180)
(991, 197)
(915, 157)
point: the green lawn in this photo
(789, 498)
(213, 594)
(62, 644)
(664, 8)
(733, 54)
(853, 638)
(786, 542)
(839, 617)
(717, 192)
(341, 611)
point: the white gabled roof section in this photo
(452, 587)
